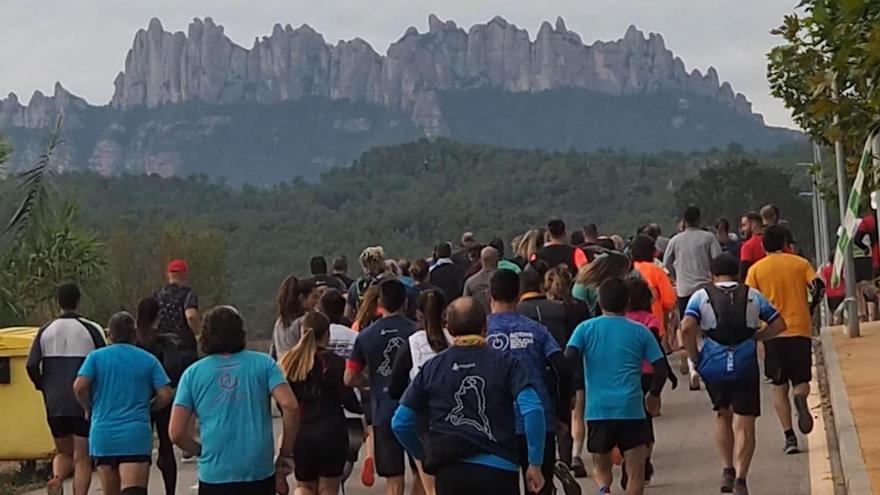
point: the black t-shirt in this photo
(323, 394)
(470, 393)
(328, 281)
(450, 279)
(551, 314)
(174, 300)
(557, 254)
(345, 280)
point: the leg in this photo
(62, 463)
(602, 470)
(394, 485)
(427, 479)
(110, 481)
(328, 486)
(578, 428)
(782, 404)
(165, 461)
(82, 477)
(724, 438)
(306, 488)
(744, 433)
(635, 468)
(134, 475)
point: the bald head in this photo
(466, 316)
(770, 214)
(489, 258)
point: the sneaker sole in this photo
(54, 487)
(805, 419)
(569, 484)
(792, 451)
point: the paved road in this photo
(685, 456)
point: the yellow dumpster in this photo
(24, 432)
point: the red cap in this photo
(177, 266)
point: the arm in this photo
(817, 291)
(354, 376)
(400, 372)
(690, 329)
(534, 424)
(82, 389)
(34, 364)
(163, 397)
(773, 329)
(405, 427)
(285, 399)
(669, 257)
(178, 430)
(193, 320)
(744, 266)
(562, 371)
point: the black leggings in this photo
(474, 479)
(165, 461)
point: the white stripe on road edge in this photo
(821, 477)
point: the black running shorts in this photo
(625, 434)
(64, 426)
(115, 460)
(388, 452)
(789, 360)
(321, 449)
(475, 479)
(355, 438)
(261, 487)
(744, 397)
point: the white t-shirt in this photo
(341, 340)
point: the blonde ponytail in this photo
(299, 361)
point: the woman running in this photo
(315, 375)
(295, 298)
(164, 347)
(419, 348)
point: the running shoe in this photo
(791, 445)
(683, 367)
(569, 484)
(55, 487)
(728, 477)
(805, 418)
(578, 468)
(368, 473)
(188, 458)
(740, 488)
(649, 471)
(694, 381)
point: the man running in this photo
(752, 250)
(229, 391)
(535, 348)
(340, 271)
(729, 241)
(477, 286)
(56, 355)
(372, 261)
(447, 275)
(735, 323)
(466, 395)
(687, 258)
(462, 257)
(771, 216)
(318, 267)
(374, 352)
(557, 250)
(612, 349)
(179, 310)
(117, 387)
(785, 279)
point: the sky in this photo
(82, 43)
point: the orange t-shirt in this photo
(661, 287)
(784, 279)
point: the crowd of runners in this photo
(480, 371)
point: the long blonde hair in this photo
(530, 243)
(300, 360)
(366, 313)
(604, 267)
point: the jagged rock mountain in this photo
(419, 87)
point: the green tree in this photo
(828, 41)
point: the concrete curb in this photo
(853, 464)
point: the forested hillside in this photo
(243, 241)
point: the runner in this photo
(117, 387)
(752, 249)
(315, 374)
(445, 273)
(295, 298)
(535, 348)
(229, 391)
(608, 265)
(867, 230)
(834, 295)
(729, 314)
(373, 264)
(557, 251)
(164, 348)
(687, 258)
(368, 312)
(477, 286)
(340, 271)
(612, 350)
(528, 246)
(643, 250)
(785, 279)
(374, 352)
(503, 263)
(318, 267)
(466, 395)
(654, 231)
(421, 346)
(179, 313)
(342, 337)
(462, 257)
(729, 241)
(772, 216)
(58, 351)
(534, 304)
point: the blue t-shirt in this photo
(613, 348)
(758, 308)
(124, 379)
(230, 394)
(469, 392)
(374, 350)
(531, 344)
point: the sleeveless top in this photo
(421, 350)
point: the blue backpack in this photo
(734, 357)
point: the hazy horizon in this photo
(98, 33)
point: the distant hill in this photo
(293, 105)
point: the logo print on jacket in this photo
(471, 385)
(394, 343)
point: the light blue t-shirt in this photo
(124, 379)
(230, 394)
(613, 348)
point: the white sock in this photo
(577, 448)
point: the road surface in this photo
(685, 456)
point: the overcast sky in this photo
(83, 43)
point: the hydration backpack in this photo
(735, 359)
